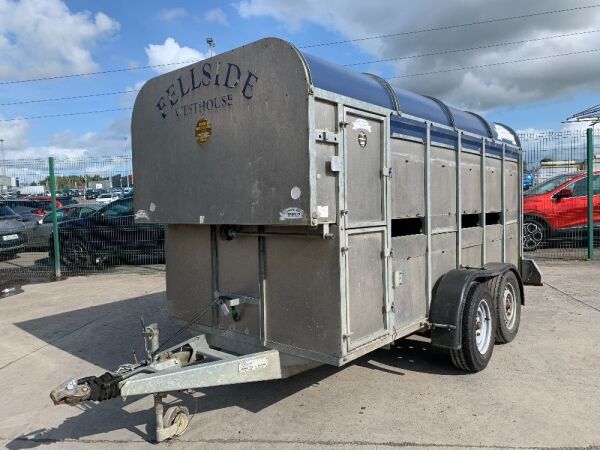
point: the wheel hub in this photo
(483, 327)
(508, 301)
(533, 235)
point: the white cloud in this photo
(480, 89)
(127, 100)
(14, 134)
(44, 37)
(168, 15)
(169, 53)
(113, 140)
(216, 15)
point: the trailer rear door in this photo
(367, 233)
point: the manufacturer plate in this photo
(253, 364)
(10, 237)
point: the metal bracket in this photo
(388, 252)
(386, 172)
(336, 164)
(237, 299)
(328, 136)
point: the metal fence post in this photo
(57, 273)
(590, 192)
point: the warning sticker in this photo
(141, 214)
(291, 213)
(253, 364)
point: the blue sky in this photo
(55, 37)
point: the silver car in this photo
(12, 236)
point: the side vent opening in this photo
(407, 227)
(493, 218)
(470, 220)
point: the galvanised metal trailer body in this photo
(315, 214)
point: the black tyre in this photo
(75, 253)
(534, 234)
(478, 330)
(507, 295)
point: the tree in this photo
(71, 181)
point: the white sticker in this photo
(504, 134)
(253, 364)
(201, 219)
(141, 214)
(152, 207)
(295, 193)
(323, 211)
(361, 124)
(291, 213)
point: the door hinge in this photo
(388, 252)
(345, 249)
(397, 281)
(387, 172)
(344, 124)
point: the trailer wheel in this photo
(507, 293)
(478, 330)
(178, 416)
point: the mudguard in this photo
(449, 296)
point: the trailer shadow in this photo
(410, 354)
(105, 334)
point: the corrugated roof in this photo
(371, 89)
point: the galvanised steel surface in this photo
(331, 200)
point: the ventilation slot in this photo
(493, 218)
(407, 227)
(470, 220)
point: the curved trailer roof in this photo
(375, 90)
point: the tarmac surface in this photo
(541, 391)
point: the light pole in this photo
(211, 45)
(3, 156)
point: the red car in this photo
(557, 210)
(46, 198)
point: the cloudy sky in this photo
(456, 50)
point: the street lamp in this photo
(211, 45)
(3, 156)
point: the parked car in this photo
(108, 197)
(39, 232)
(44, 198)
(557, 210)
(29, 210)
(91, 194)
(12, 236)
(109, 236)
(528, 179)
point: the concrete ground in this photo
(541, 391)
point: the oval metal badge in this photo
(362, 139)
(203, 131)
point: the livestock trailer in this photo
(314, 214)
